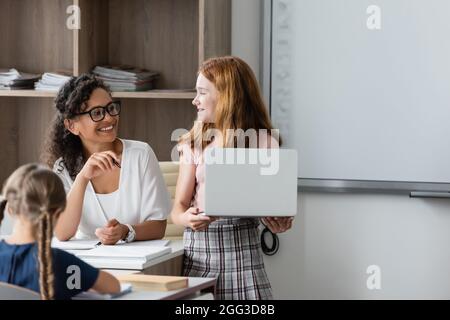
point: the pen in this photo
(111, 223)
(116, 163)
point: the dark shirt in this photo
(19, 266)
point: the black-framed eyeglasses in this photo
(97, 114)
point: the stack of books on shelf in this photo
(52, 81)
(11, 79)
(126, 78)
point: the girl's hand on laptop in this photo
(278, 224)
(194, 220)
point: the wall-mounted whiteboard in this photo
(363, 91)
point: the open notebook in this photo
(91, 244)
(74, 244)
(92, 295)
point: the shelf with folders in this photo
(153, 94)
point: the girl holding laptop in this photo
(228, 98)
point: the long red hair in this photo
(240, 104)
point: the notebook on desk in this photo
(76, 244)
(92, 295)
(123, 252)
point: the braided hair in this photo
(37, 195)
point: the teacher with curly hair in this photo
(115, 187)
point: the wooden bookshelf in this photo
(157, 94)
(171, 37)
(27, 93)
(154, 94)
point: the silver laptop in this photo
(250, 182)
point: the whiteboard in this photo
(358, 103)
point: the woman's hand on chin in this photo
(98, 164)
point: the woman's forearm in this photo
(69, 220)
(150, 230)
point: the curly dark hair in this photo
(60, 142)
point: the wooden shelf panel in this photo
(34, 36)
(158, 35)
(154, 121)
(154, 94)
(27, 93)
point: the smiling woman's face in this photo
(206, 99)
(96, 132)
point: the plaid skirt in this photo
(230, 250)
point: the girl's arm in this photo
(106, 283)
(182, 213)
(184, 192)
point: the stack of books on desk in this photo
(154, 283)
(11, 79)
(122, 256)
(126, 78)
(52, 81)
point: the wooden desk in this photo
(168, 265)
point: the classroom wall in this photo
(246, 21)
(336, 237)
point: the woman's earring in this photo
(66, 133)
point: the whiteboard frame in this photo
(413, 189)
